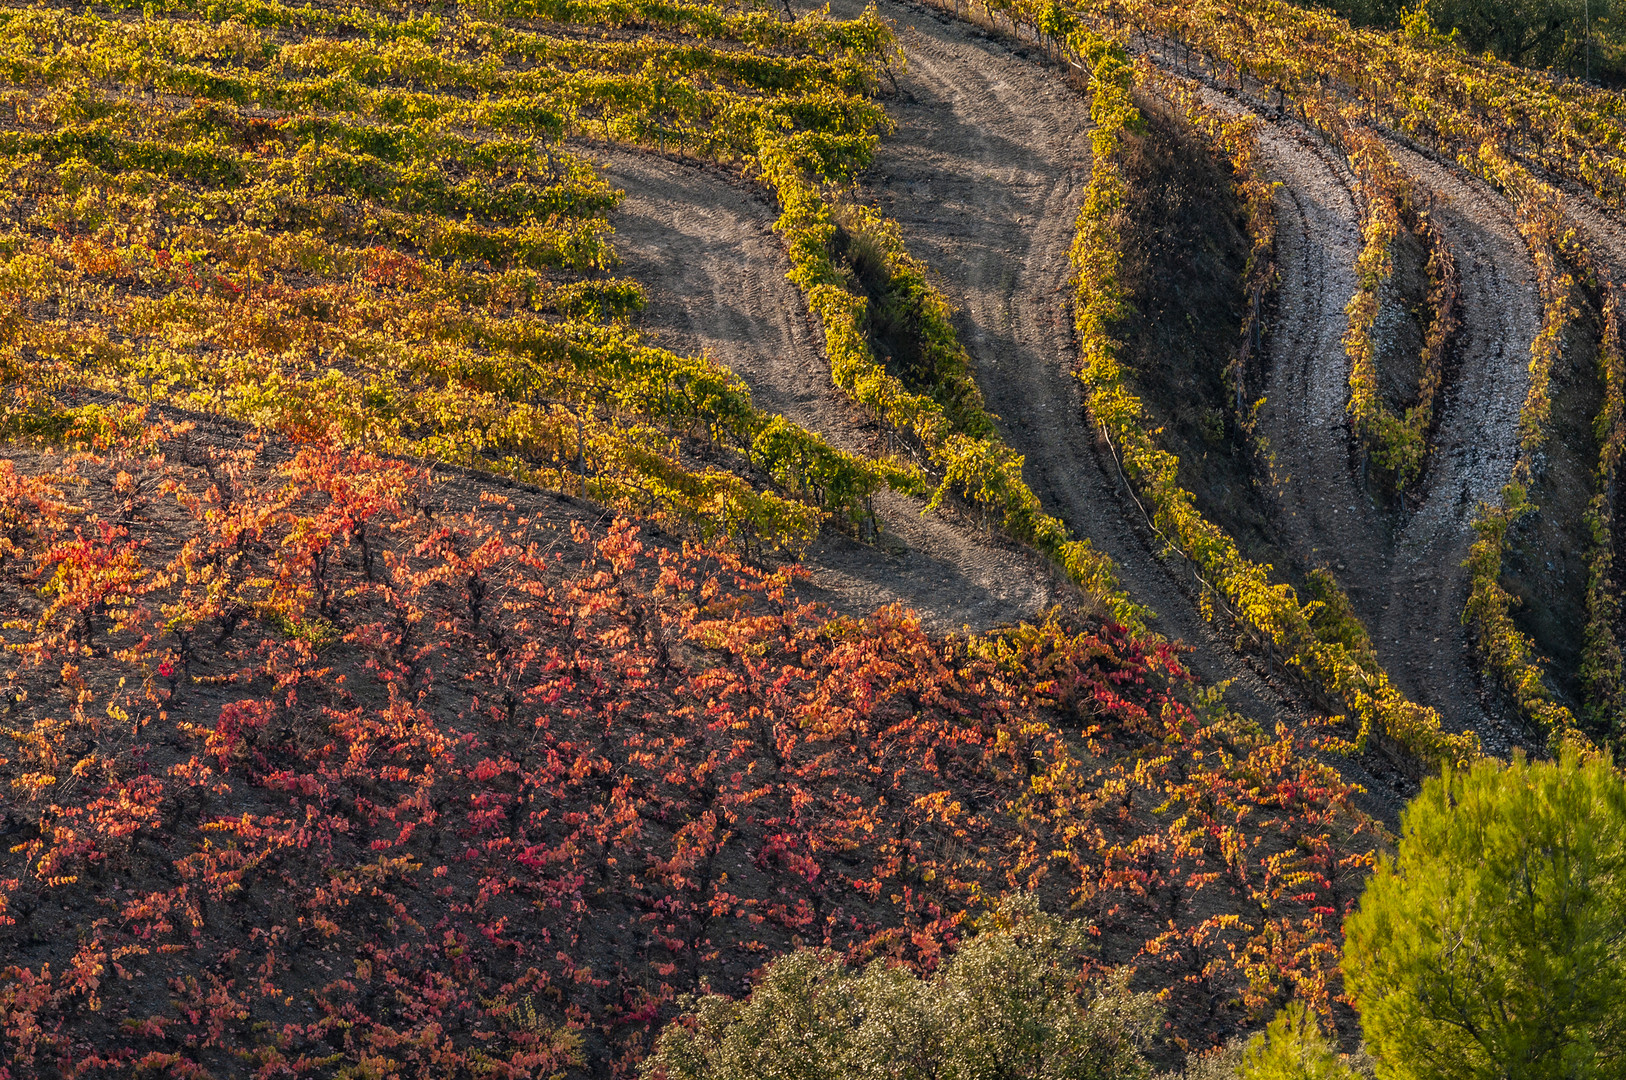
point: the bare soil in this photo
(1604, 235)
(1302, 427)
(1402, 323)
(701, 242)
(1402, 568)
(1602, 231)
(985, 173)
(1185, 252)
(1545, 567)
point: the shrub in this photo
(1006, 1005)
(1218, 1063)
(1492, 945)
(1293, 1047)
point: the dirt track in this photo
(1307, 388)
(1403, 572)
(985, 174)
(703, 247)
(1417, 621)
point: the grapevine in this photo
(1347, 670)
(443, 775)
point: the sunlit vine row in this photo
(948, 421)
(289, 208)
(1509, 654)
(1321, 638)
(1398, 444)
(1601, 661)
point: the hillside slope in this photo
(985, 173)
(703, 248)
(1402, 569)
(334, 764)
(413, 427)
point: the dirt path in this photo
(985, 174)
(703, 247)
(1307, 389)
(1602, 231)
(1403, 572)
(1303, 423)
(1418, 628)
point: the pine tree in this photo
(1493, 943)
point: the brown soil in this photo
(702, 244)
(985, 173)
(1546, 567)
(1402, 322)
(1185, 251)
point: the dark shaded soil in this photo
(1185, 251)
(1545, 566)
(1402, 325)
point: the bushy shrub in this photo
(1294, 1047)
(1011, 1004)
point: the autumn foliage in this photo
(320, 763)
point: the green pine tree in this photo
(1293, 1047)
(1494, 944)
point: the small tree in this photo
(1294, 1047)
(1494, 943)
(1006, 1006)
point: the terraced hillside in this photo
(516, 512)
